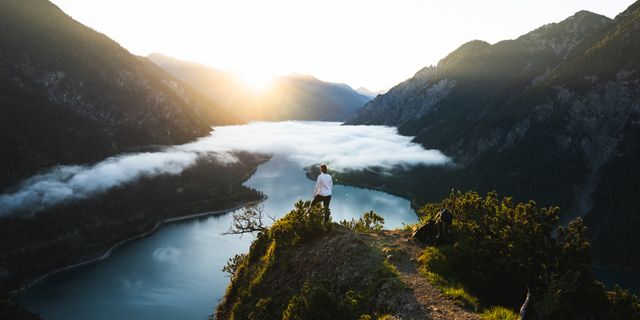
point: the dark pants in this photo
(325, 203)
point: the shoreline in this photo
(382, 188)
(121, 243)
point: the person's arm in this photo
(316, 191)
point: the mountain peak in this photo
(464, 52)
(565, 35)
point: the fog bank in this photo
(307, 143)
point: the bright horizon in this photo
(372, 44)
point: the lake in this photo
(176, 272)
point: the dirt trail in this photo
(403, 252)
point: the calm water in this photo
(627, 279)
(176, 273)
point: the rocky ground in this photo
(426, 301)
(381, 268)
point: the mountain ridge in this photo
(543, 116)
(112, 100)
(289, 97)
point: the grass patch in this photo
(435, 268)
(461, 297)
(437, 271)
(499, 313)
(392, 269)
(407, 227)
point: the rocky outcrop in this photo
(379, 270)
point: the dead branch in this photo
(249, 220)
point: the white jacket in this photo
(323, 185)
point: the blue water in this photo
(176, 272)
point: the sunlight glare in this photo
(255, 80)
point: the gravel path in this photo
(403, 252)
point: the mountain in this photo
(292, 97)
(368, 93)
(553, 115)
(69, 94)
(214, 83)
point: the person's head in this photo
(323, 168)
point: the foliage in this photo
(369, 222)
(623, 305)
(502, 247)
(232, 265)
(247, 220)
(499, 313)
(298, 226)
(436, 269)
(317, 301)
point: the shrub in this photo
(369, 222)
(232, 264)
(317, 301)
(502, 247)
(623, 305)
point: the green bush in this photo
(503, 247)
(623, 305)
(369, 222)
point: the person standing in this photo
(322, 191)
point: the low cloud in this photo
(64, 183)
(307, 143)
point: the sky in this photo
(370, 43)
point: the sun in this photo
(255, 80)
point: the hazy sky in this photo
(362, 43)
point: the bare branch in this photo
(249, 220)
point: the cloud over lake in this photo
(307, 143)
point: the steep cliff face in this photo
(544, 116)
(71, 95)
